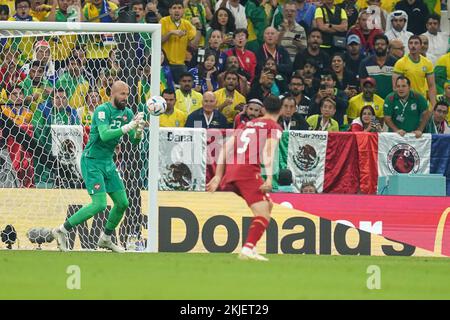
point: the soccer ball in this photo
(156, 105)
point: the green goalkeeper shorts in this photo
(100, 175)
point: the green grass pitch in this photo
(104, 275)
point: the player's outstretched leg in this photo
(115, 215)
(260, 222)
(97, 205)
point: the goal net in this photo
(52, 76)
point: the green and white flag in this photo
(306, 154)
(182, 159)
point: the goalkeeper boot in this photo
(105, 242)
(61, 239)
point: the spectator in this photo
(367, 121)
(418, 69)
(346, 80)
(177, 35)
(187, 100)
(378, 16)
(223, 20)
(351, 10)
(214, 45)
(86, 112)
(232, 64)
(73, 83)
(311, 77)
(438, 40)
(328, 90)
(417, 11)
(35, 88)
(237, 9)
(65, 10)
(289, 118)
(446, 97)
(251, 111)
(280, 84)
(313, 51)
(15, 107)
(305, 14)
(308, 187)
(10, 73)
(366, 98)
(442, 72)
(96, 11)
(246, 58)
(354, 56)
(154, 11)
(262, 88)
(42, 53)
(333, 23)
(257, 23)
(292, 36)
(396, 28)
(208, 117)
(270, 48)
(39, 9)
(324, 121)
(4, 12)
(199, 15)
(23, 8)
(285, 181)
(229, 101)
(438, 120)
(302, 102)
(205, 74)
(396, 49)
(425, 44)
(405, 110)
(364, 32)
(172, 117)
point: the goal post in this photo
(27, 29)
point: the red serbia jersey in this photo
(245, 161)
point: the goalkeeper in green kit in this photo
(110, 122)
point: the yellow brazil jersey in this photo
(21, 116)
(357, 103)
(25, 44)
(416, 72)
(442, 71)
(41, 15)
(175, 47)
(97, 46)
(387, 5)
(229, 111)
(176, 119)
(188, 103)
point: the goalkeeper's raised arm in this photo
(110, 122)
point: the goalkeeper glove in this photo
(133, 123)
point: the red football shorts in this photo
(248, 189)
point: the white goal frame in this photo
(155, 31)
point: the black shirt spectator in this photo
(417, 13)
(313, 52)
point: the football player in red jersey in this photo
(251, 146)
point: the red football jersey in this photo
(245, 160)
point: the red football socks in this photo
(256, 230)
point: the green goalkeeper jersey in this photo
(113, 119)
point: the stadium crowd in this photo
(365, 65)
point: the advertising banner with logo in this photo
(182, 159)
(204, 222)
(397, 154)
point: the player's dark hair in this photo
(285, 177)
(272, 104)
(403, 78)
(167, 91)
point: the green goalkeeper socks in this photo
(115, 215)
